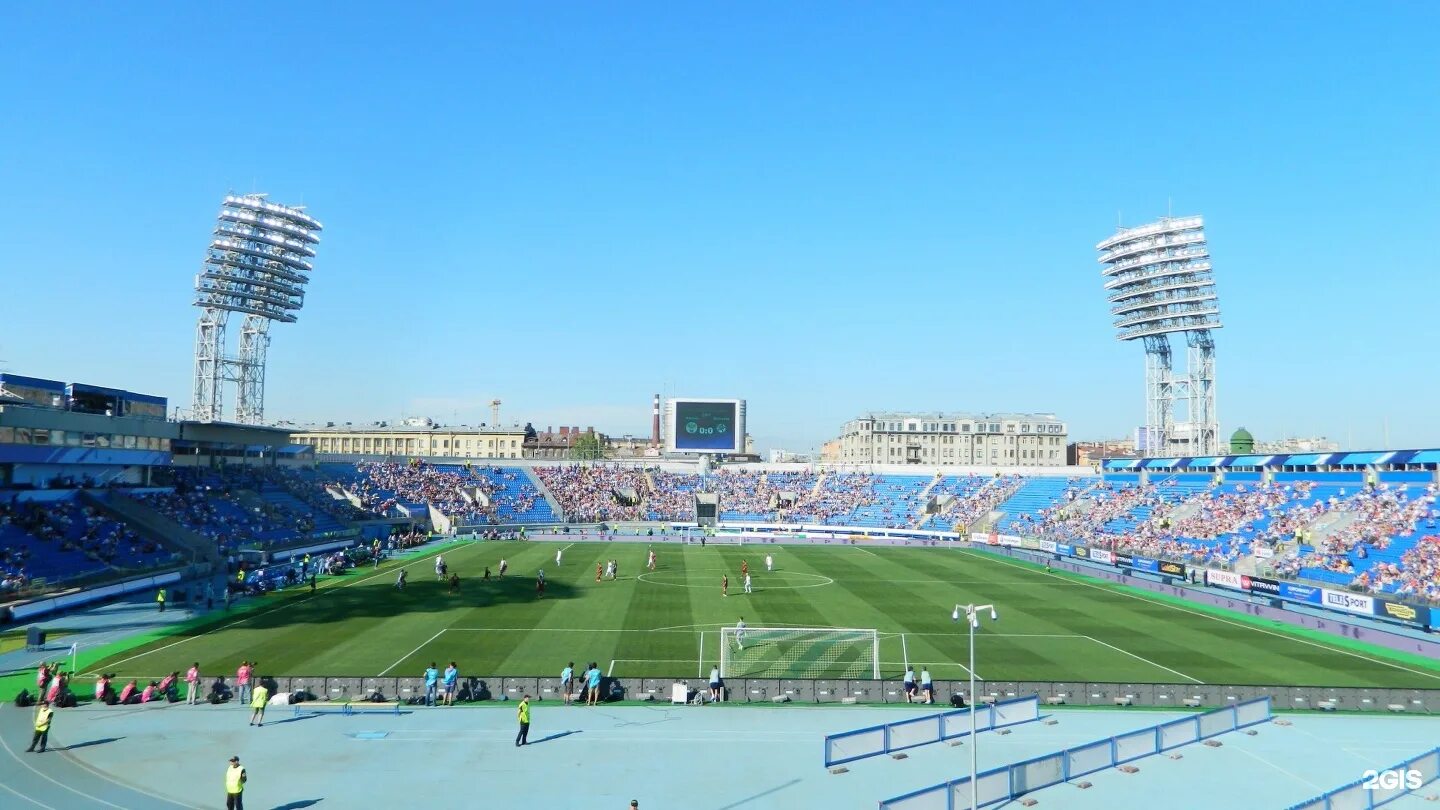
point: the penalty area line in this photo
(407, 655)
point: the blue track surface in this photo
(168, 756)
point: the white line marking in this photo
(248, 617)
(868, 551)
(1211, 617)
(1280, 769)
(407, 655)
(6, 787)
(44, 776)
(65, 752)
(1143, 658)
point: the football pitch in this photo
(665, 623)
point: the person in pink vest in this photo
(192, 679)
(57, 688)
(149, 693)
(42, 677)
(169, 688)
(127, 695)
(242, 679)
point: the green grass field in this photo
(1052, 627)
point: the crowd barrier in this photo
(873, 741)
(1012, 781)
(887, 691)
(1381, 788)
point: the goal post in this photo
(799, 652)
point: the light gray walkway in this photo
(667, 757)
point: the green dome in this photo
(1242, 442)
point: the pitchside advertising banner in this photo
(1173, 569)
(1357, 603)
(1344, 601)
(1400, 612)
(1295, 592)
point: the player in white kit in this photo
(769, 563)
(558, 553)
(747, 583)
(740, 633)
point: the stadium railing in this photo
(870, 692)
(888, 738)
(1384, 787)
(1012, 781)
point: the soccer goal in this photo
(799, 652)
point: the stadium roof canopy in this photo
(1361, 458)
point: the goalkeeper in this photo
(740, 633)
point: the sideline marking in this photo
(1143, 658)
(407, 655)
(1220, 619)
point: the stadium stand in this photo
(61, 539)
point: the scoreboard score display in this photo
(706, 425)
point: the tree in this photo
(588, 448)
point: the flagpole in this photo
(74, 655)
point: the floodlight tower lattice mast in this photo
(257, 265)
(1159, 281)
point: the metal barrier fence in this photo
(870, 691)
(1012, 781)
(888, 738)
(1380, 788)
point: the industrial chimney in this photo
(655, 423)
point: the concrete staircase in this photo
(148, 522)
(545, 493)
(1328, 524)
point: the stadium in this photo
(307, 559)
(1168, 586)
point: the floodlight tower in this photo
(1159, 280)
(257, 265)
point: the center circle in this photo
(762, 581)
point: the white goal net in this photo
(799, 652)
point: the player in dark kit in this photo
(724, 584)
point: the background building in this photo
(416, 438)
(1295, 444)
(1088, 454)
(1005, 440)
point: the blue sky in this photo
(824, 208)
